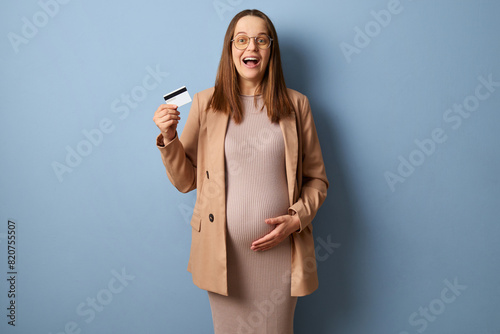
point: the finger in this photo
(264, 239)
(167, 117)
(166, 108)
(275, 236)
(276, 220)
(266, 245)
(165, 126)
(160, 120)
(267, 248)
(164, 111)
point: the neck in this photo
(248, 87)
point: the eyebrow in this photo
(242, 32)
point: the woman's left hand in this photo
(285, 225)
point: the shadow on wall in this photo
(328, 308)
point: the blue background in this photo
(116, 212)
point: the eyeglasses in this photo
(241, 42)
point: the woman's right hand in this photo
(166, 119)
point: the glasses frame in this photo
(255, 41)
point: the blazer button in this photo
(211, 218)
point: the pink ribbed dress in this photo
(259, 298)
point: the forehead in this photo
(250, 25)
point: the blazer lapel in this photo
(289, 128)
(216, 131)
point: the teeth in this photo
(250, 58)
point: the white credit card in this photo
(179, 97)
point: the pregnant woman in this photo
(251, 150)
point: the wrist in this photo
(295, 221)
(167, 139)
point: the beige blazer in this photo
(196, 161)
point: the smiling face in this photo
(252, 62)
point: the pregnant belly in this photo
(246, 216)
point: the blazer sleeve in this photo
(314, 184)
(180, 155)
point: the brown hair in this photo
(273, 89)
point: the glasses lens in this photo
(241, 41)
(263, 41)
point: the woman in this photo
(251, 150)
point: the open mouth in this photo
(251, 62)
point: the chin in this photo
(250, 75)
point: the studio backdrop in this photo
(406, 99)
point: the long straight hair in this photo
(272, 87)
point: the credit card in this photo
(179, 97)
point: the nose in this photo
(254, 47)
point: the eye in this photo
(262, 40)
(241, 39)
